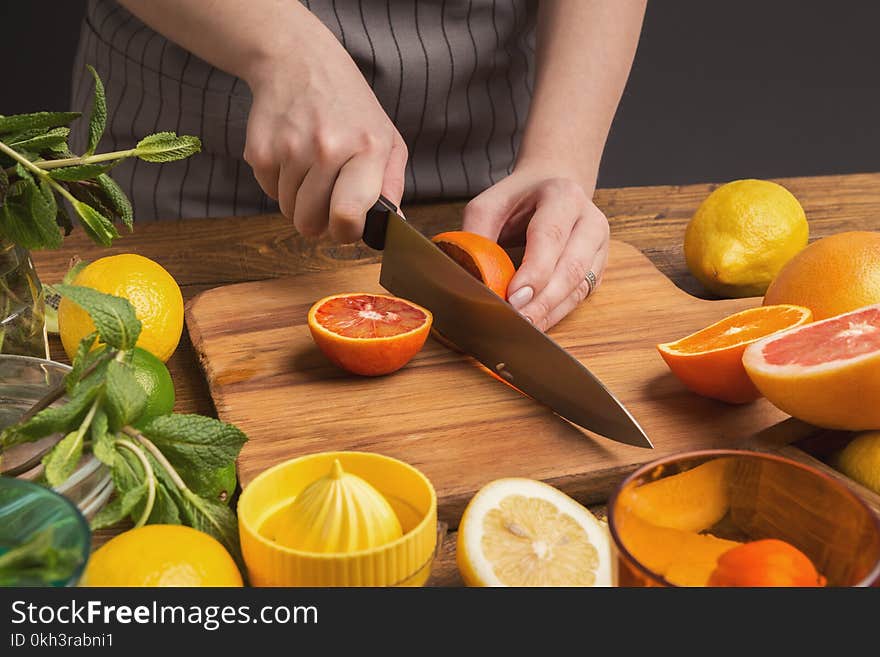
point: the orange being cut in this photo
(484, 259)
(826, 373)
(709, 362)
(369, 334)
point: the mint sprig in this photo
(158, 469)
(38, 173)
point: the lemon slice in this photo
(521, 532)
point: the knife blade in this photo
(488, 328)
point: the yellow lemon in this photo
(741, 236)
(860, 460)
(152, 291)
(521, 532)
(161, 555)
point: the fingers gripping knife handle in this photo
(377, 223)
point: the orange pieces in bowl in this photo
(669, 501)
(768, 562)
(679, 527)
(709, 362)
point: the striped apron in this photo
(455, 76)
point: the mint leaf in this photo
(125, 396)
(61, 461)
(114, 317)
(55, 419)
(85, 191)
(19, 136)
(81, 360)
(41, 142)
(117, 199)
(48, 209)
(165, 510)
(103, 443)
(63, 219)
(18, 122)
(81, 171)
(218, 485)
(126, 471)
(167, 147)
(23, 172)
(213, 518)
(28, 215)
(99, 227)
(121, 506)
(4, 185)
(98, 119)
(194, 442)
(168, 498)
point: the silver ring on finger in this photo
(590, 278)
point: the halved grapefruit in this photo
(709, 362)
(826, 373)
(480, 257)
(369, 334)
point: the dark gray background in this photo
(746, 88)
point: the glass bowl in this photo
(26, 511)
(23, 381)
(672, 519)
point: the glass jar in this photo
(22, 308)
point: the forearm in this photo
(246, 38)
(585, 50)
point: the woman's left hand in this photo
(566, 236)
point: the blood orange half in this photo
(369, 334)
(827, 373)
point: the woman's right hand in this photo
(318, 140)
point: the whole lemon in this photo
(161, 555)
(860, 460)
(741, 236)
(152, 291)
(832, 276)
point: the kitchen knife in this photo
(483, 325)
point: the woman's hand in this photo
(319, 141)
(566, 236)
(584, 53)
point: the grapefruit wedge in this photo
(709, 362)
(369, 334)
(826, 373)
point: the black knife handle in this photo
(377, 223)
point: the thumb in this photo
(395, 171)
(485, 215)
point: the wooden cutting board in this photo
(442, 413)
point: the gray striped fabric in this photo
(454, 76)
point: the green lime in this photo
(156, 380)
(220, 484)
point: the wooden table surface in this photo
(205, 253)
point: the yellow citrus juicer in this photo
(339, 519)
